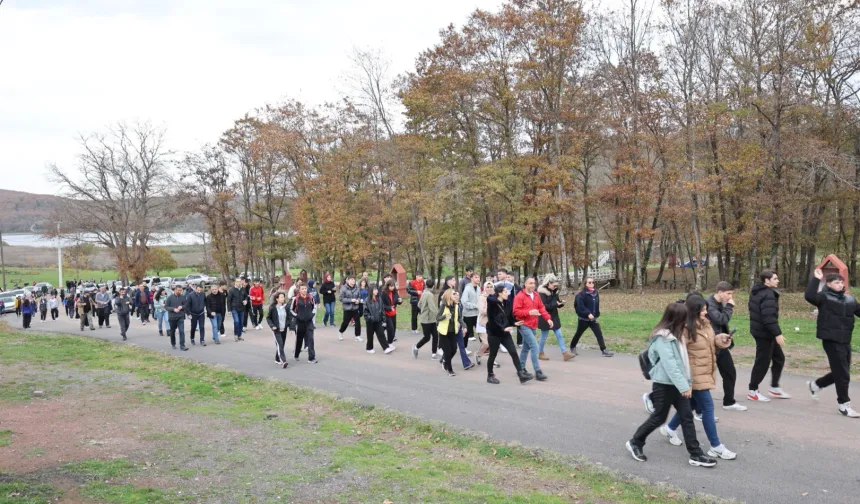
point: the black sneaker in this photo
(202, 343)
(174, 346)
(124, 338)
(452, 374)
(524, 377)
(539, 376)
(492, 379)
(161, 333)
(470, 366)
(184, 349)
(702, 461)
(638, 455)
(193, 343)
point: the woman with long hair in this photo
(702, 345)
(672, 385)
(327, 289)
(374, 315)
(279, 323)
(449, 321)
(160, 312)
(500, 325)
(428, 308)
(390, 300)
(587, 306)
(548, 291)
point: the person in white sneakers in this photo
(721, 305)
(702, 345)
(374, 315)
(836, 312)
(764, 327)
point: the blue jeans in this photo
(162, 318)
(216, 325)
(462, 346)
(329, 314)
(530, 345)
(557, 331)
(702, 400)
(238, 321)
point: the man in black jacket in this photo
(720, 308)
(123, 312)
(215, 302)
(197, 310)
(764, 327)
(836, 312)
(176, 307)
(236, 303)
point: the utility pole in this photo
(59, 258)
(2, 262)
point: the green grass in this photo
(26, 276)
(5, 438)
(26, 492)
(400, 458)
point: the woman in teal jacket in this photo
(670, 372)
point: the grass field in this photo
(121, 425)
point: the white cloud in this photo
(193, 66)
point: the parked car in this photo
(89, 287)
(9, 299)
(157, 282)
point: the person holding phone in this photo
(721, 306)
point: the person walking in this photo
(215, 311)
(257, 297)
(144, 301)
(428, 309)
(481, 326)
(764, 327)
(415, 288)
(702, 345)
(449, 321)
(279, 323)
(18, 305)
(197, 311)
(500, 325)
(327, 289)
(54, 306)
(720, 309)
(548, 291)
(177, 309)
(222, 291)
(103, 298)
(159, 311)
(350, 297)
(466, 280)
(469, 300)
(312, 292)
(834, 327)
(374, 315)
(390, 300)
(236, 302)
(527, 308)
(85, 311)
(587, 306)
(302, 311)
(363, 292)
(672, 386)
(123, 304)
(43, 308)
(27, 310)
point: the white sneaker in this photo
(472, 339)
(340, 336)
(649, 406)
(674, 440)
(722, 452)
(846, 410)
(754, 395)
(259, 328)
(813, 390)
(389, 349)
(415, 332)
(468, 352)
(358, 339)
(371, 351)
(735, 407)
(779, 393)
(503, 349)
(698, 417)
(439, 352)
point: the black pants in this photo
(726, 365)
(415, 317)
(124, 321)
(43, 314)
(351, 315)
(221, 326)
(767, 351)
(471, 322)
(173, 325)
(280, 342)
(27, 318)
(595, 328)
(506, 341)
(664, 398)
(55, 313)
(839, 356)
(305, 334)
(198, 321)
(144, 313)
(247, 316)
(430, 333)
(449, 349)
(256, 315)
(390, 327)
(376, 329)
(103, 316)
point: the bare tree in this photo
(118, 196)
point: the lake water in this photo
(35, 240)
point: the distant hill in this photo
(22, 212)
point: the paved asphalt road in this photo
(789, 451)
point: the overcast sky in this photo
(191, 66)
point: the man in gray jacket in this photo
(123, 312)
(176, 307)
(102, 309)
(197, 309)
(469, 300)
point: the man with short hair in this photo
(102, 311)
(143, 302)
(197, 310)
(764, 327)
(123, 312)
(720, 308)
(246, 292)
(176, 307)
(527, 308)
(469, 301)
(415, 288)
(236, 303)
(835, 325)
(257, 298)
(466, 280)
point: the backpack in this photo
(645, 363)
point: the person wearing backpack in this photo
(669, 368)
